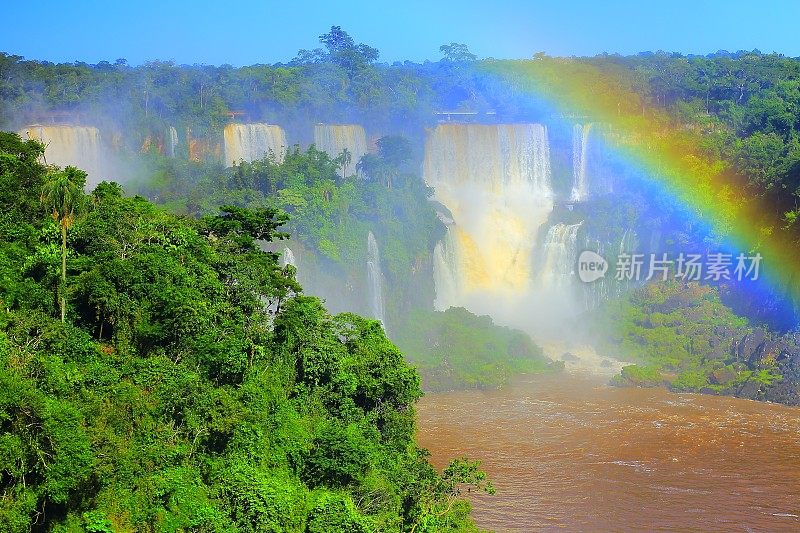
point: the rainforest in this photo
(336, 293)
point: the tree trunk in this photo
(63, 270)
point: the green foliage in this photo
(191, 386)
(456, 349)
(683, 336)
(639, 376)
(330, 216)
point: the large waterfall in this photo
(560, 254)
(78, 146)
(249, 142)
(335, 138)
(495, 180)
(580, 143)
(375, 280)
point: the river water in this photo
(570, 453)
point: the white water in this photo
(77, 146)
(287, 257)
(250, 142)
(172, 141)
(446, 273)
(375, 280)
(335, 138)
(560, 255)
(580, 143)
(495, 180)
(599, 291)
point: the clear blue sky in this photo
(247, 32)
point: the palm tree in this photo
(63, 195)
(345, 158)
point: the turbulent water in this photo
(580, 180)
(375, 279)
(249, 142)
(495, 181)
(570, 453)
(335, 138)
(77, 146)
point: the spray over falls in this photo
(77, 146)
(335, 138)
(249, 142)
(495, 181)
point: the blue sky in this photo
(248, 32)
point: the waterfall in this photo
(628, 242)
(580, 143)
(599, 291)
(445, 272)
(77, 146)
(335, 138)
(375, 280)
(495, 180)
(172, 141)
(560, 254)
(250, 142)
(287, 257)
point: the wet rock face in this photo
(748, 347)
(761, 351)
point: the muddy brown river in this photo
(570, 453)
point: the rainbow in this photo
(674, 157)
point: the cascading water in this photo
(287, 257)
(335, 138)
(375, 280)
(495, 180)
(172, 141)
(609, 286)
(560, 252)
(77, 146)
(580, 143)
(445, 272)
(249, 142)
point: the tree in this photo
(344, 160)
(22, 176)
(63, 194)
(344, 52)
(457, 52)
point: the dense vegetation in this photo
(723, 112)
(744, 103)
(330, 214)
(684, 337)
(455, 349)
(163, 373)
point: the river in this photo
(570, 453)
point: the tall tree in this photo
(63, 194)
